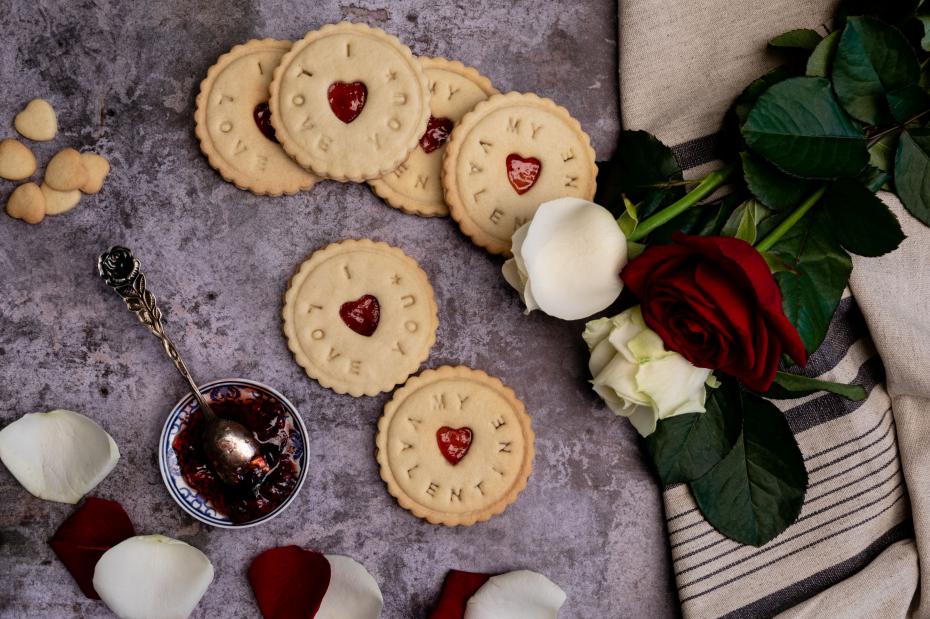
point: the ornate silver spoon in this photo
(230, 447)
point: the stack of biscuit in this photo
(432, 137)
(350, 102)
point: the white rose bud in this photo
(637, 377)
(567, 259)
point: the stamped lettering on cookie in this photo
(416, 185)
(349, 102)
(360, 317)
(455, 446)
(506, 157)
(233, 121)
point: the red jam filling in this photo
(453, 443)
(273, 428)
(437, 133)
(262, 116)
(347, 99)
(361, 315)
(522, 172)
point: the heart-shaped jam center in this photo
(437, 133)
(361, 315)
(347, 99)
(522, 172)
(453, 443)
(262, 116)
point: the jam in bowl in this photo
(280, 432)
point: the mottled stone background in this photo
(123, 77)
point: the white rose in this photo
(637, 377)
(567, 259)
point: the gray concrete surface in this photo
(123, 77)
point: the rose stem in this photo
(706, 187)
(775, 235)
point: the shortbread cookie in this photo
(37, 121)
(16, 160)
(58, 202)
(66, 171)
(233, 121)
(349, 102)
(26, 203)
(97, 169)
(416, 185)
(360, 317)
(455, 446)
(509, 155)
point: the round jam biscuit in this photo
(416, 185)
(232, 121)
(506, 157)
(349, 102)
(360, 317)
(455, 446)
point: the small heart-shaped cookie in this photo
(27, 203)
(58, 202)
(16, 160)
(97, 169)
(66, 170)
(37, 121)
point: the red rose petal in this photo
(715, 301)
(289, 582)
(81, 540)
(456, 590)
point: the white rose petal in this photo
(567, 260)
(516, 595)
(637, 377)
(59, 455)
(152, 577)
(352, 592)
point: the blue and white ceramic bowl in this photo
(188, 498)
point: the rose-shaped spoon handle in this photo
(231, 448)
(121, 271)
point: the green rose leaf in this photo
(790, 386)
(821, 59)
(799, 126)
(882, 152)
(747, 99)
(641, 165)
(744, 222)
(802, 38)
(873, 178)
(818, 271)
(771, 186)
(685, 447)
(860, 220)
(874, 70)
(912, 173)
(757, 490)
(908, 102)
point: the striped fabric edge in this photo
(699, 151)
(796, 593)
(856, 499)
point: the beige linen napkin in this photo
(852, 552)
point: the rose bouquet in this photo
(721, 301)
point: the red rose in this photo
(714, 301)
